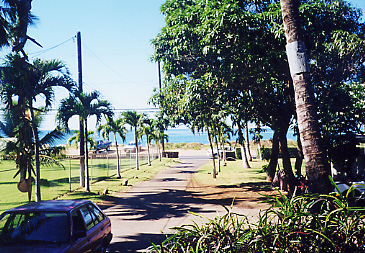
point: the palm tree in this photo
(84, 105)
(317, 166)
(76, 139)
(117, 128)
(15, 18)
(24, 160)
(159, 136)
(135, 120)
(148, 131)
(26, 82)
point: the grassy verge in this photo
(55, 180)
(233, 173)
(114, 185)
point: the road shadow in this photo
(139, 242)
(154, 205)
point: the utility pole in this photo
(82, 134)
(317, 168)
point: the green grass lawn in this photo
(234, 174)
(55, 180)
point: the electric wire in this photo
(35, 54)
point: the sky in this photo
(116, 47)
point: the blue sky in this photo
(116, 46)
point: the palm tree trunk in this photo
(36, 150)
(148, 153)
(247, 143)
(87, 179)
(316, 162)
(116, 146)
(137, 151)
(299, 159)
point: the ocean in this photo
(176, 135)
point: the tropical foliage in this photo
(83, 105)
(117, 128)
(136, 121)
(227, 58)
(312, 223)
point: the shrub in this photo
(309, 223)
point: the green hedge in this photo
(266, 153)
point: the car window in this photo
(35, 226)
(89, 221)
(99, 216)
(78, 224)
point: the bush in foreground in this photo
(310, 223)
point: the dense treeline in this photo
(227, 59)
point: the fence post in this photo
(107, 163)
(69, 172)
(91, 168)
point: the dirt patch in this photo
(245, 195)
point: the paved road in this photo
(140, 215)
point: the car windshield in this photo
(37, 226)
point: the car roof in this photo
(51, 205)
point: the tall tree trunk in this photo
(316, 162)
(286, 161)
(299, 159)
(87, 178)
(211, 148)
(271, 168)
(36, 155)
(148, 153)
(159, 151)
(247, 142)
(118, 162)
(218, 154)
(259, 155)
(241, 141)
(137, 151)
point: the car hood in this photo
(34, 247)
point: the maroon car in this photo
(55, 226)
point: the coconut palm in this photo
(76, 139)
(148, 131)
(15, 18)
(25, 160)
(317, 166)
(159, 136)
(83, 105)
(117, 128)
(135, 120)
(26, 82)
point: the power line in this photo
(51, 48)
(108, 66)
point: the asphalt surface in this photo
(150, 209)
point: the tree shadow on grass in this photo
(251, 186)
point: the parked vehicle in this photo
(227, 149)
(100, 145)
(131, 147)
(55, 226)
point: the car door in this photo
(94, 228)
(80, 242)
